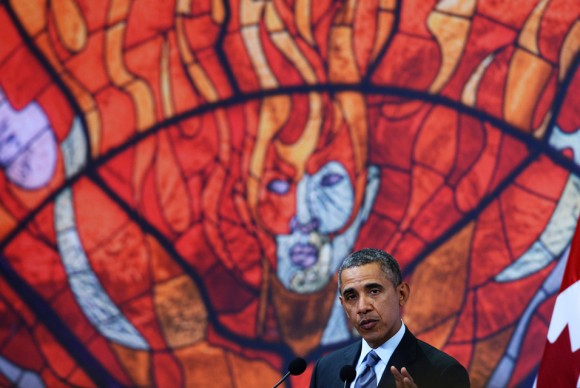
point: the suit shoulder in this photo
(327, 368)
(449, 369)
(348, 353)
(436, 356)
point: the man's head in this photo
(372, 293)
(388, 264)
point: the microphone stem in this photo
(282, 380)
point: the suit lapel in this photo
(404, 355)
(351, 354)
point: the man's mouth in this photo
(367, 324)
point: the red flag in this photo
(560, 365)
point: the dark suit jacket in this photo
(428, 366)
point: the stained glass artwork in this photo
(180, 181)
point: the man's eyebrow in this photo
(348, 291)
(368, 286)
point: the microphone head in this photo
(347, 373)
(297, 366)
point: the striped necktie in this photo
(368, 377)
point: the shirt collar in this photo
(386, 350)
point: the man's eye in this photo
(349, 297)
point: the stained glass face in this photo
(180, 181)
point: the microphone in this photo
(347, 374)
(296, 367)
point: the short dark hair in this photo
(389, 265)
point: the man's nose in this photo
(364, 305)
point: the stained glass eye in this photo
(331, 179)
(279, 186)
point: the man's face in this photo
(372, 303)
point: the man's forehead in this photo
(362, 275)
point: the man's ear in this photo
(342, 304)
(404, 293)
